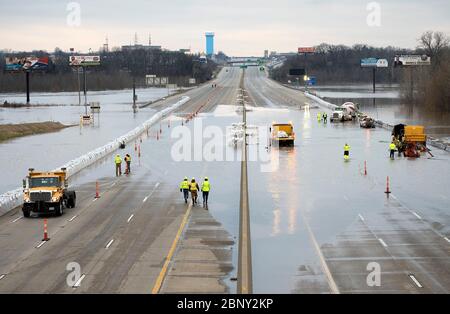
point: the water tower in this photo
(209, 43)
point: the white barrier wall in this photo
(14, 198)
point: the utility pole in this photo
(27, 78)
(85, 96)
(373, 78)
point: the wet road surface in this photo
(317, 222)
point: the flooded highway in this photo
(318, 223)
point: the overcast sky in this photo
(242, 27)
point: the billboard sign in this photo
(411, 60)
(84, 60)
(306, 49)
(14, 64)
(297, 72)
(374, 63)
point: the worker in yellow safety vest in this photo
(127, 159)
(206, 187)
(184, 187)
(346, 151)
(319, 117)
(118, 162)
(193, 187)
(392, 148)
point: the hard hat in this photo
(185, 178)
(206, 178)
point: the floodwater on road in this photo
(386, 105)
(313, 195)
(50, 150)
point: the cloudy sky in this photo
(242, 27)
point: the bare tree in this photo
(433, 44)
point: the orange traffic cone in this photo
(46, 238)
(97, 190)
(387, 186)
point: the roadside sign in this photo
(14, 64)
(374, 63)
(297, 72)
(412, 60)
(192, 81)
(84, 60)
(306, 49)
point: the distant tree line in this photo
(341, 64)
(117, 70)
(424, 87)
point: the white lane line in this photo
(361, 217)
(131, 217)
(415, 214)
(17, 219)
(382, 242)
(145, 199)
(109, 244)
(2, 276)
(345, 197)
(73, 217)
(157, 184)
(415, 281)
(446, 239)
(41, 244)
(78, 283)
(95, 199)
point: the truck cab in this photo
(46, 192)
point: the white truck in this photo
(346, 112)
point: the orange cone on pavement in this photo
(97, 190)
(46, 238)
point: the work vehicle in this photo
(366, 122)
(283, 134)
(47, 192)
(346, 112)
(410, 139)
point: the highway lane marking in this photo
(446, 239)
(131, 217)
(109, 244)
(94, 199)
(345, 197)
(382, 242)
(163, 272)
(17, 219)
(73, 217)
(41, 244)
(361, 217)
(415, 214)
(157, 184)
(2, 276)
(415, 281)
(145, 199)
(334, 288)
(78, 283)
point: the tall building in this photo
(209, 44)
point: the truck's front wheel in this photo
(59, 209)
(26, 213)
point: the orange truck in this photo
(283, 134)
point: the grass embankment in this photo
(9, 131)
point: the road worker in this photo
(346, 151)
(392, 149)
(184, 187)
(118, 162)
(319, 116)
(206, 187)
(325, 117)
(193, 187)
(127, 159)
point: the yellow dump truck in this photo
(47, 192)
(410, 139)
(283, 134)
